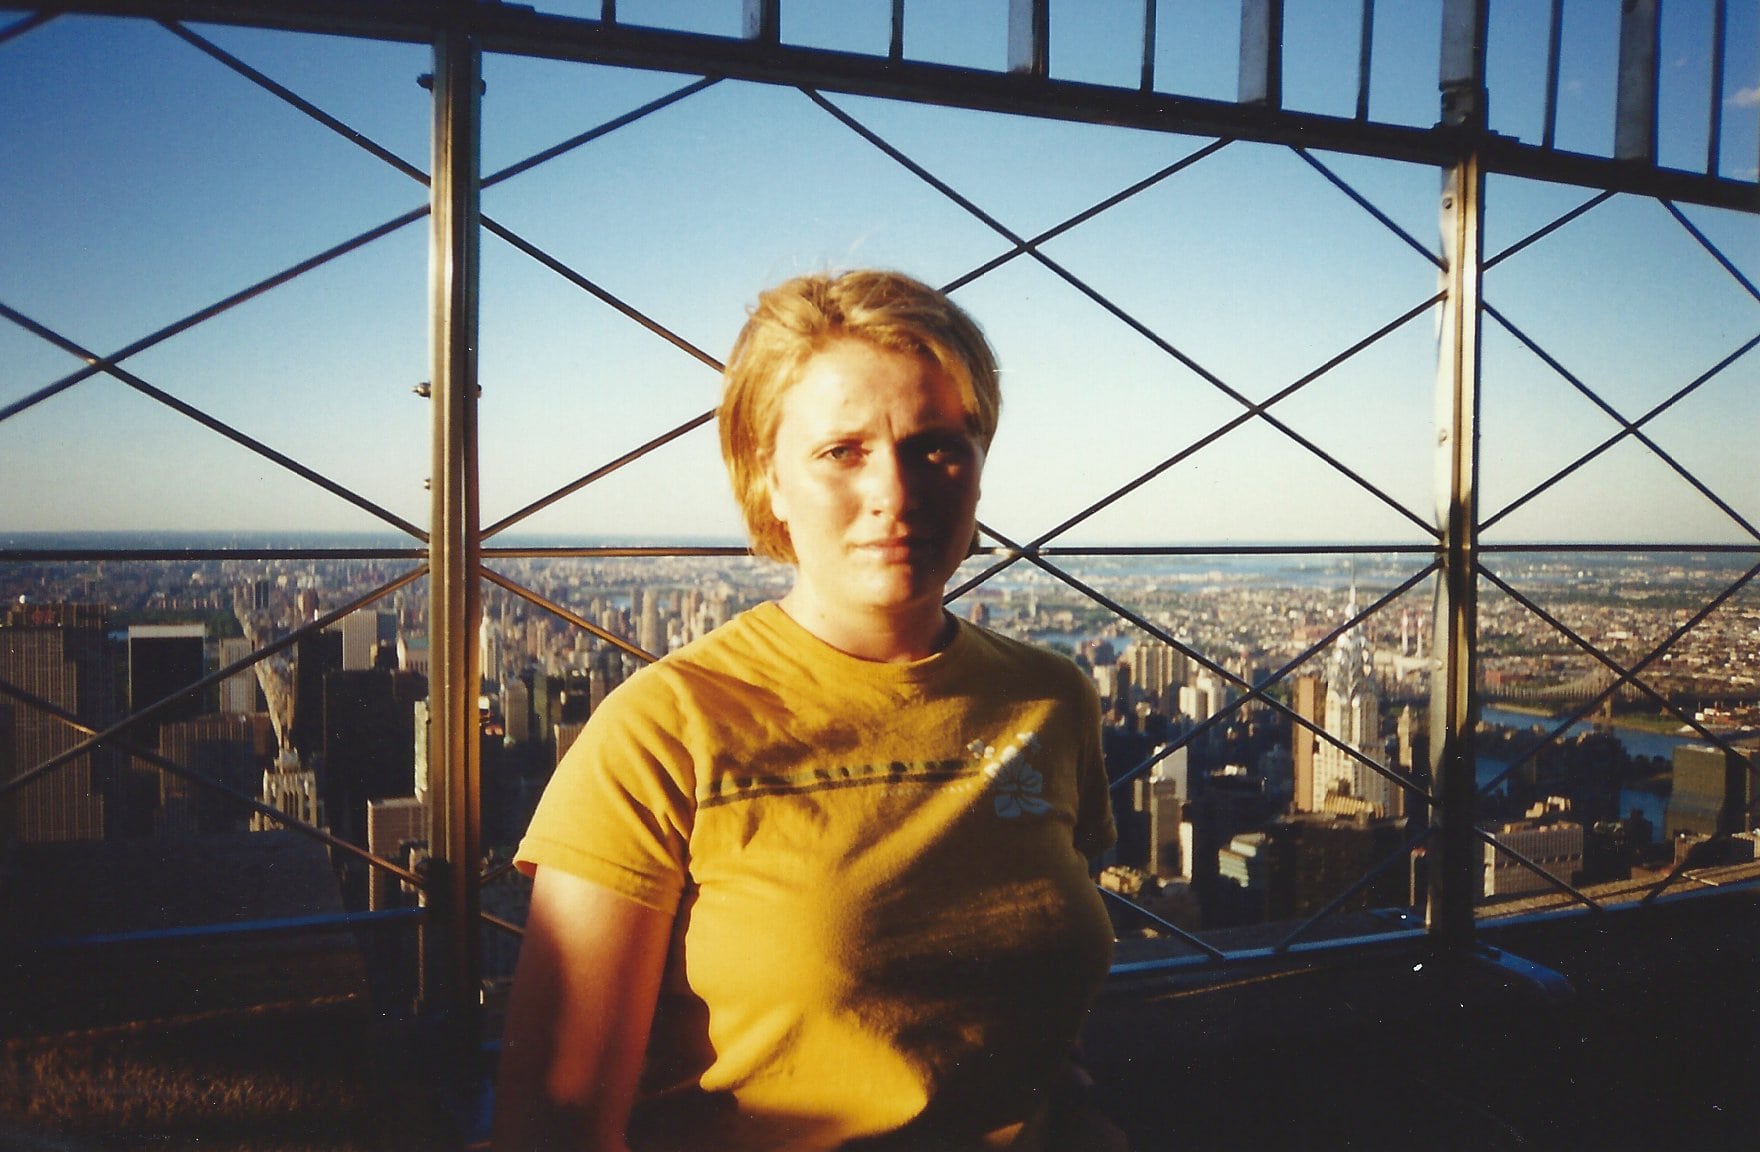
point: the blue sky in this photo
(144, 181)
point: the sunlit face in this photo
(875, 474)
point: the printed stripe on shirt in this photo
(731, 789)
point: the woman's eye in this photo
(944, 453)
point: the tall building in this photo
(315, 656)
(240, 693)
(649, 636)
(1352, 716)
(1311, 859)
(1157, 670)
(397, 830)
(516, 710)
(290, 788)
(1547, 838)
(1161, 794)
(56, 653)
(360, 640)
(1712, 793)
(227, 748)
(368, 749)
(163, 660)
(1307, 701)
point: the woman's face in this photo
(875, 474)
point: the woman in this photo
(820, 879)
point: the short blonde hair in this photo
(797, 319)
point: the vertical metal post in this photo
(452, 960)
(1147, 79)
(1455, 862)
(1029, 37)
(761, 21)
(1634, 129)
(1261, 75)
(1365, 58)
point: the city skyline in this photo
(1249, 261)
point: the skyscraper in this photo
(239, 693)
(1712, 792)
(1307, 701)
(1352, 717)
(163, 660)
(56, 653)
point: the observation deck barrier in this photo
(1445, 312)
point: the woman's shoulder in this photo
(728, 654)
(1021, 657)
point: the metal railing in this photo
(1446, 549)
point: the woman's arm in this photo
(578, 1017)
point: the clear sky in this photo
(142, 181)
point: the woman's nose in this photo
(889, 483)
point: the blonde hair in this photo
(797, 319)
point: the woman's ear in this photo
(773, 494)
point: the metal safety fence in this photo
(1440, 549)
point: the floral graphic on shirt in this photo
(1019, 787)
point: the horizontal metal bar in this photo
(1396, 940)
(177, 327)
(151, 710)
(510, 585)
(521, 31)
(241, 799)
(245, 440)
(73, 555)
(285, 926)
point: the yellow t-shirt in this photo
(885, 931)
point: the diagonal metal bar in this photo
(242, 799)
(573, 618)
(1086, 215)
(359, 139)
(1252, 410)
(598, 473)
(594, 133)
(1404, 851)
(121, 726)
(1368, 206)
(1167, 926)
(501, 924)
(1259, 409)
(105, 363)
(1623, 675)
(628, 311)
(1539, 870)
(1712, 249)
(1631, 429)
(1577, 464)
(1681, 867)
(1251, 694)
(214, 424)
(1541, 233)
(24, 24)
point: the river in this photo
(1638, 742)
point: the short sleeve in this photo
(620, 807)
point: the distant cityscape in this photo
(1265, 761)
